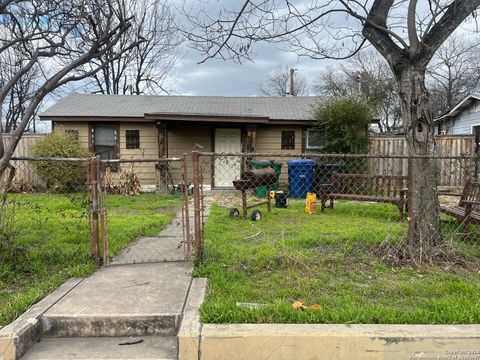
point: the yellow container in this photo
(311, 203)
(272, 194)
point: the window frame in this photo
(307, 137)
(289, 135)
(129, 143)
(115, 126)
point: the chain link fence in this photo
(64, 217)
(354, 205)
(44, 229)
(45, 209)
(87, 202)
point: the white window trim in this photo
(471, 130)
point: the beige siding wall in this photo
(146, 172)
(182, 139)
(81, 127)
(269, 139)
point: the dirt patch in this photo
(231, 199)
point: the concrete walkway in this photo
(166, 246)
(123, 312)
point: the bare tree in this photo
(20, 94)
(55, 39)
(454, 72)
(366, 75)
(144, 69)
(405, 34)
(277, 83)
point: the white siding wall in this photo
(462, 124)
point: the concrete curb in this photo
(18, 337)
(319, 341)
(190, 329)
(340, 342)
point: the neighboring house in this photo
(149, 127)
(463, 119)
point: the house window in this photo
(73, 133)
(315, 139)
(105, 140)
(132, 139)
(288, 140)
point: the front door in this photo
(227, 168)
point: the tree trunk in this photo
(424, 222)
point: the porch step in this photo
(129, 300)
(113, 326)
(147, 347)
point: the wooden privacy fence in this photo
(451, 172)
(24, 171)
(446, 145)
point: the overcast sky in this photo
(227, 78)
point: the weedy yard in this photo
(45, 240)
(330, 259)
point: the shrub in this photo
(65, 174)
(345, 122)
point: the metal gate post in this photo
(186, 212)
(101, 207)
(94, 217)
(196, 204)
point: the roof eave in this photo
(206, 118)
(91, 118)
(456, 109)
(180, 118)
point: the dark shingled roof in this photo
(95, 105)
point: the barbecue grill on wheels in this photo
(249, 180)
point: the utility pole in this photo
(292, 82)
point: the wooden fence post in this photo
(186, 208)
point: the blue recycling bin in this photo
(300, 177)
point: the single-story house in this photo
(462, 119)
(150, 127)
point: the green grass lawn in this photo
(327, 259)
(51, 242)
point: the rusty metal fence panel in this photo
(369, 207)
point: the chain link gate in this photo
(156, 192)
